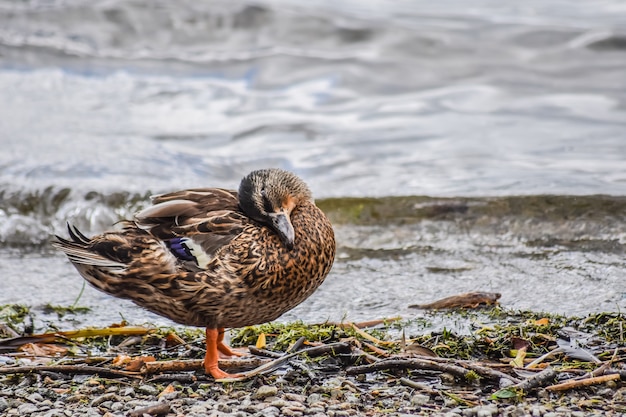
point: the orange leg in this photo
(214, 339)
(225, 349)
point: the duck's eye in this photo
(267, 205)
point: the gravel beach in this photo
(333, 396)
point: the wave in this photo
(31, 217)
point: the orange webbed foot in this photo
(215, 346)
(227, 351)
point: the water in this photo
(103, 103)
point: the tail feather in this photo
(79, 250)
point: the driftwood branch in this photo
(578, 383)
(538, 380)
(418, 364)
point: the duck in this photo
(213, 257)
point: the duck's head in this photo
(269, 196)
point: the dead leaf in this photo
(43, 349)
(172, 339)
(167, 390)
(520, 346)
(121, 360)
(417, 349)
(260, 341)
(136, 364)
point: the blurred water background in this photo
(504, 124)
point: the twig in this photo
(376, 349)
(369, 337)
(264, 352)
(422, 364)
(577, 383)
(363, 324)
(69, 369)
(481, 370)
(155, 410)
(369, 357)
(537, 380)
(195, 364)
(542, 358)
(418, 386)
(333, 348)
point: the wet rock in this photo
(265, 391)
(104, 398)
(3, 404)
(486, 411)
(269, 412)
(313, 398)
(224, 408)
(148, 389)
(27, 408)
(295, 397)
(35, 398)
(419, 400)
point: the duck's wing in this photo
(195, 223)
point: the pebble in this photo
(35, 398)
(104, 398)
(265, 391)
(419, 399)
(27, 408)
(4, 404)
(148, 389)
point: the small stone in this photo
(265, 391)
(104, 398)
(3, 404)
(270, 412)
(224, 408)
(315, 410)
(486, 411)
(295, 397)
(128, 392)
(419, 399)
(35, 398)
(54, 413)
(313, 398)
(291, 412)
(27, 408)
(147, 389)
(117, 406)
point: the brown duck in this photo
(214, 258)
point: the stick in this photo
(542, 358)
(421, 364)
(481, 370)
(69, 369)
(537, 380)
(155, 410)
(332, 348)
(418, 386)
(578, 383)
(195, 364)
